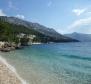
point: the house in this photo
(31, 37)
(2, 44)
(25, 39)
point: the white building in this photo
(2, 44)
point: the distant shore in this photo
(8, 74)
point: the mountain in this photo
(80, 36)
(42, 32)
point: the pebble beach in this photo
(8, 74)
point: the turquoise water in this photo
(63, 63)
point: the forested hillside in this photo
(9, 31)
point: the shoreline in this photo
(8, 74)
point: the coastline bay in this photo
(62, 63)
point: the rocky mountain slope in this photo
(80, 36)
(46, 32)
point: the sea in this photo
(55, 63)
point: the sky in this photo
(65, 16)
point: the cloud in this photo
(49, 3)
(11, 5)
(81, 22)
(81, 25)
(2, 13)
(20, 16)
(78, 12)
